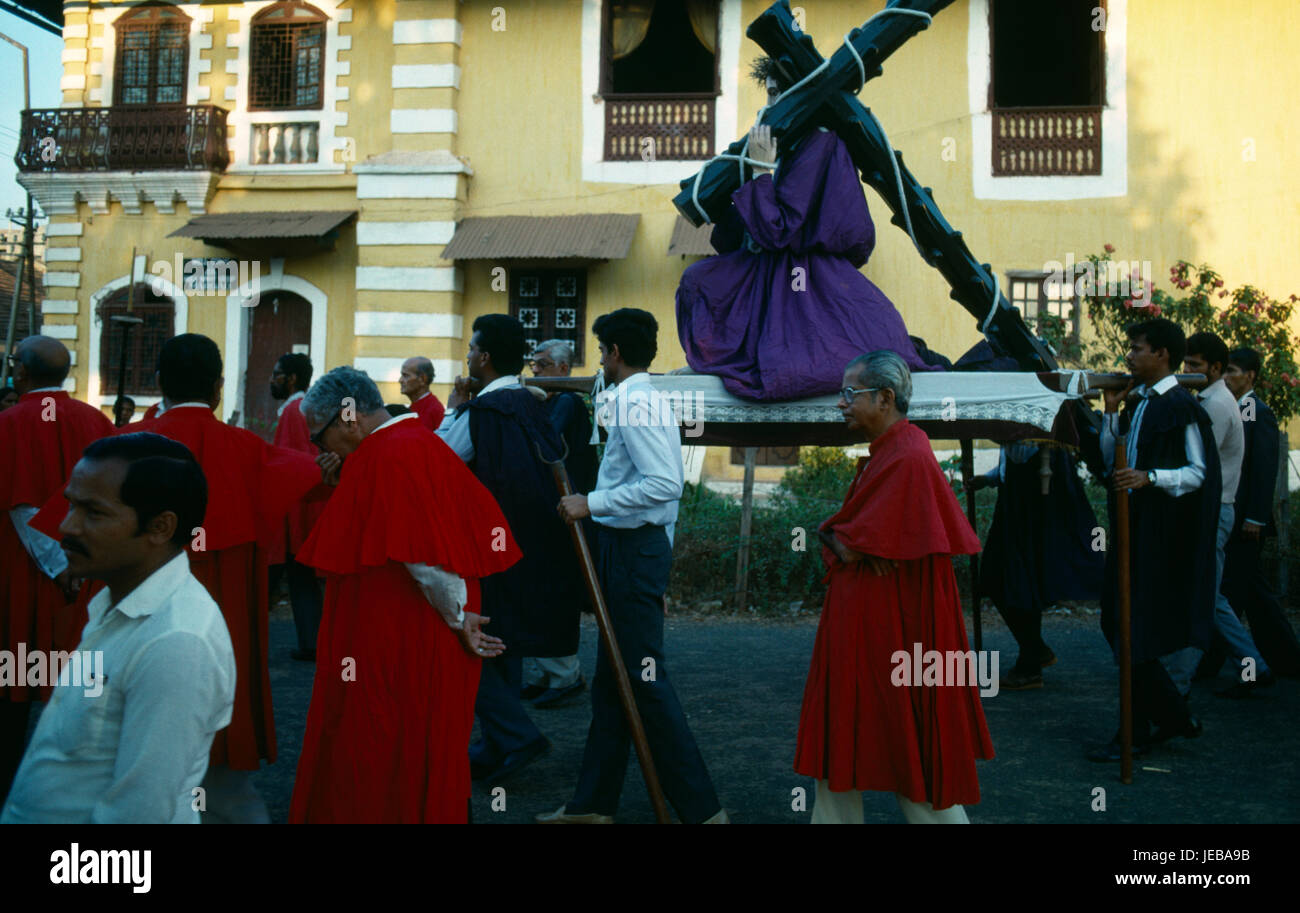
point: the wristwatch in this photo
(1151, 476)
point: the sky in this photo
(44, 53)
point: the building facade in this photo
(389, 170)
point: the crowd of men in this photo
(412, 541)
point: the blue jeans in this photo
(502, 719)
(633, 566)
(1181, 665)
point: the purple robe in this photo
(772, 333)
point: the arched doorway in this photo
(143, 341)
(280, 323)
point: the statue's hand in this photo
(762, 148)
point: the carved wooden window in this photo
(551, 304)
(1047, 86)
(153, 49)
(659, 78)
(287, 57)
(144, 346)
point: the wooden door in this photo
(280, 323)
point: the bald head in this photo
(417, 374)
(43, 361)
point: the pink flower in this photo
(1155, 309)
(1218, 283)
(1109, 248)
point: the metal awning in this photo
(690, 240)
(596, 236)
(272, 232)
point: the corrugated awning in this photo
(598, 236)
(245, 226)
(691, 240)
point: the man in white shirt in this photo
(130, 743)
(634, 505)
(1208, 354)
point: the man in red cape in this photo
(892, 594)
(41, 439)
(251, 487)
(406, 537)
(417, 374)
(290, 379)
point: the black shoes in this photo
(554, 697)
(1189, 730)
(492, 774)
(1111, 752)
(1020, 680)
(1243, 690)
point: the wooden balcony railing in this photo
(1039, 142)
(183, 137)
(659, 127)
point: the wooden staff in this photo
(611, 646)
(1125, 624)
(968, 476)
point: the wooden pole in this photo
(746, 525)
(968, 476)
(625, 695)
(1125, 623)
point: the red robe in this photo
(858, 729)
(392, 743)
(41, 439)
(430, 410)
(251, 487)
(151, 413)
(291, 433)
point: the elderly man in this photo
(417, 374)
(41, 440)
(132, 747)
(549, 682)
(404, 541)
(892, 594)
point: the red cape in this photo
(430, 410)
(291, 434)
(390, 743)
(41, 439)
(858, 729)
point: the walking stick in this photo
(1125, 625)
(967, 476)
(611, 645)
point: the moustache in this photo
(75, 546)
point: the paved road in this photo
(741, 683)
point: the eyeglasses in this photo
(316, 438)
(541, 364)
(848, 393)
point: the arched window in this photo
(288, 58)
(153, 49)
(144, 344)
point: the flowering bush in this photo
(1248, 317)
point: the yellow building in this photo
(342, 145)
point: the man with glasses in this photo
(888, 551)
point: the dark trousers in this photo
(502, 719)
(1157, 704)
(305, 597)
(633, 566)
(13, 739)
(1026, 626)
(1244, 586)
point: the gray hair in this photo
(559, 349)
(327, 395)
(424, 367)
(885, 369)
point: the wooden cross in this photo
(828, 99)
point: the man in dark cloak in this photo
(1041, 548)
(1174, 482)
(784, 306)
(534, 605)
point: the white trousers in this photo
(846, 808)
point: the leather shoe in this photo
(554, 697)
(516, 761)
(1111, 751)
(1046, 658)
(1243, 690)
(1192, 729)
(1020, 680)
(528, 692)
(560, 816)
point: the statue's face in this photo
(773, 90)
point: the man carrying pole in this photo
(634, 506)
(1172, 480)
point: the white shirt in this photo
(641, 478)
(135, 751)
(1178, 481)
(454, 429)
(1229, 434)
